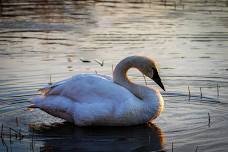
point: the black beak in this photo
(157, 79)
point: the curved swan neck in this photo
(120, 72)
(120, 75)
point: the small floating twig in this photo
(85, 60)
(189, 93)
(101, 63)
(145, 79)
(209, 120)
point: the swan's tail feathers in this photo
(47, 89)
(44, 90)
(55, 88)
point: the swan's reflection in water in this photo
(67, 137)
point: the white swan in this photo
(92, 99)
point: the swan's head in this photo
(153, 74)
(149, 68)
(143, 64)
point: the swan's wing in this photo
(87, 99)
(105, 76)
(56, 88)
(90, 88)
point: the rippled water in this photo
(189, 40)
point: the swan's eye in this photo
(149, 72)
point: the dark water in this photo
(189, 40)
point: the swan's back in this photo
(91, 88)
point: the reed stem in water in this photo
(189, 93)
(209, 120)
(201, 95)
(145, 79)
(172, 146)
(217, 90)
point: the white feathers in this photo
(93, 99)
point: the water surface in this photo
(188, 39)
